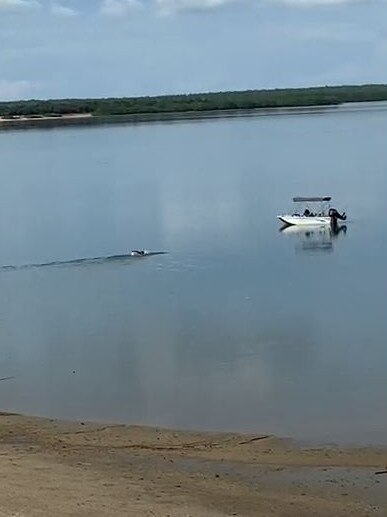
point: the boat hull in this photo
(302, 220)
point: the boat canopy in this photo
(311, 199)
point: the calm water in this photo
(239, 327)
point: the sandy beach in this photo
(51, 467)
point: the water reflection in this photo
(314, 239)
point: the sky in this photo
(114, 48)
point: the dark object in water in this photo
(145, 253)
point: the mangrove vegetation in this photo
(198, 102)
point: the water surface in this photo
(239, 327)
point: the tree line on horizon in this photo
(238, 100)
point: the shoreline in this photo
(89, 120)
(53, 467)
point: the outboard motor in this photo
(335, 216)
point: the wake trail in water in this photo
(123, 259)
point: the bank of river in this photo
(52, 467)
(87, 119)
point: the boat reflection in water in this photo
(314, 239)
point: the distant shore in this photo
(51, 467)
(34, 113)
(87, 119)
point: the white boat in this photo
(312, 211)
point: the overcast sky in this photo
(99, 48)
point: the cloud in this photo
(63, 11)
(119, 7)
(10, 90)
(18, 4)
(170, 6)
(314, 3)
(320, 32)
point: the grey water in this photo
(239, 327)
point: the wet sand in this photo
(50, 467)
